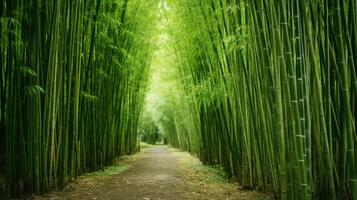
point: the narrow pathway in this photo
(156, 173)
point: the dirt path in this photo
(153, 174)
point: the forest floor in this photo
(157, 172)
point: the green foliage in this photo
(217, 172)
(27, 71)
(33, 90)
(267, 90)
(111, 170)
(145, 145)
(73, 76)
(148, 130)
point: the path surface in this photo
(156, 173)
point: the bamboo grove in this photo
(269, 92)
(72, 79)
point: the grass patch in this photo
(111, 170)
(144, 145)
(218, 173)
(214, 173)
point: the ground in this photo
(157, 172)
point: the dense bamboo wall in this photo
(72, 81)
(271, 92)
(267, 89)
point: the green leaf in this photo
(89, 97)
(27, 71)
(32, 90)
